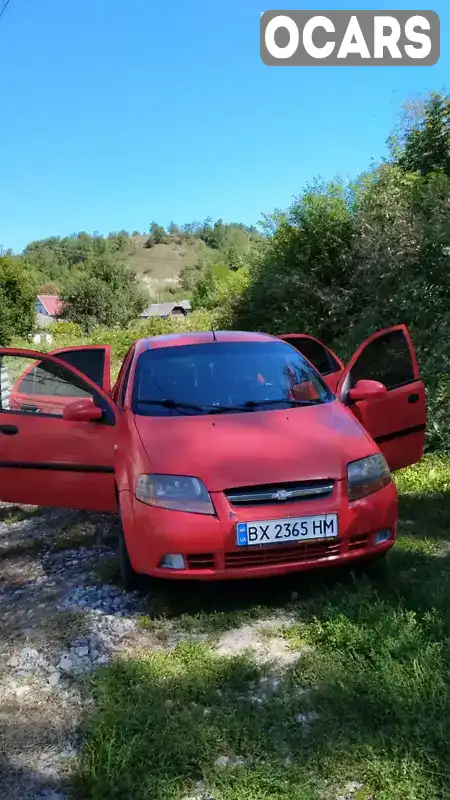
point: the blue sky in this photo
(114, 114)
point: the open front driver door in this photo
(397, 420)
(46, 459)
(321, 357)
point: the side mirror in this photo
(82, 410)
(367, 390)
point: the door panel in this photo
(321, 357)
(396, 421)
(44, 459)
(94, 361)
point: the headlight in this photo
(367, 475)
(175, 492)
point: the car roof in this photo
(200, 337)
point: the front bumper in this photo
(208, 543)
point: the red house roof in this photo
(51, 303)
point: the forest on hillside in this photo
(56, 262)
(345, 259)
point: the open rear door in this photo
(93, 360)
(321, 357)
(396, 421)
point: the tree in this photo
(300, 273)
(424, 145)
(17, 299)
(234, 258)
(50, 287)
(107, 293)
(221, 291)
(157, 233)
(204, 295)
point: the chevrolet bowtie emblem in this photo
(281, 495)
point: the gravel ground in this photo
(60, 620)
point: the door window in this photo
(42, 388)
(386, 359)
(90, 362)
(317, 354)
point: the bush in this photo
(106, 293)
(17, 299)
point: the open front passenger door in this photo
(47, 456)
(397, 420)
(321, 357)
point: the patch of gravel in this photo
(56, 627)
(229, 761)
(200, 793)
(263, 640)
(350, 789)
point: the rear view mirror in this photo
(367, 390)
(82, 410)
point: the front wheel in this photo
(130, 578)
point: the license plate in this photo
(276, 531)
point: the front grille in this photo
(200, 561)
(266, 556)
(278, 493)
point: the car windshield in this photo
(225, 377)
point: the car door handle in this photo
(9, 430)
(413, 398)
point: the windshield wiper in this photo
(167, 402)
(256, 403)
(249, 405)
(252, 405)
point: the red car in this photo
(227, 455)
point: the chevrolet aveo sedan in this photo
(226, 454)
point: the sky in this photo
(115, 113)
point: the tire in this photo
(130, 578)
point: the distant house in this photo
(172, 309)
(47, 307)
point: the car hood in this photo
(275, 446)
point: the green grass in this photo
(376, 674)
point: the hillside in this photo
(159, 267)
(158, 258)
